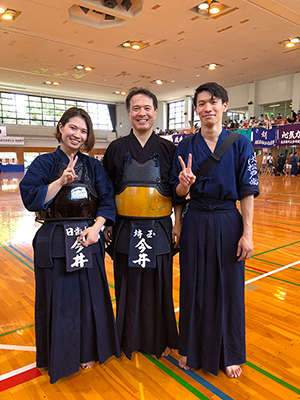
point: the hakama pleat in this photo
(145, 312)
(212, 317)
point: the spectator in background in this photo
(280, 163)
(293, 116)
(288, 164)
(295, 164)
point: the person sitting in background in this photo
(260, 120)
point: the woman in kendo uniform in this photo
(73, 197)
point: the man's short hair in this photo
(214, 89)
(139, 90)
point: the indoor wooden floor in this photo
(272, 316)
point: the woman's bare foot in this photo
(87, 365)
(166, 352)
(182, 363)
(233, 371)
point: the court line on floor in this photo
(17, 330)
(17, 347)
(200, 380)
(275, 226)
(271, 272)
(18, 258)
(176, 377)
(19, 376)
(276, 248)
(273, 377)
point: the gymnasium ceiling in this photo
(50, 37)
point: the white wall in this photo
(276, 89)
(238, 96)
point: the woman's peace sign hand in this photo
(69, 174)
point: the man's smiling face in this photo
(142, 114)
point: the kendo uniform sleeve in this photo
(247, 175)
(34, 185)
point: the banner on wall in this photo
(264, 137)
(11, 141)
(289, 135)
(245, 132)
(178, 138)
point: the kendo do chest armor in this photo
(141, 193)
(75, 200)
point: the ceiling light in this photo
(295, 40)
(51, 83)
(214, 7)
(117, 92)
(203, 6)
(212, 66)
(2, 10)
(88, 69)
(79, 67)
(8, 15)
(289, 44)
(159, 82)
(136, 46)
(126, 44)
(123, 93)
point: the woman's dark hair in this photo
(139, 90)
(78, 112)
(214, 89)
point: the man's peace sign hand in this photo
(186, 176)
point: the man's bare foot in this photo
(233, 371)
(166, 352)
(87, 365)
(182, 363)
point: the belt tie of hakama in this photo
(209, 204)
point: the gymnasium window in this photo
(176, 115)
(21, 109)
